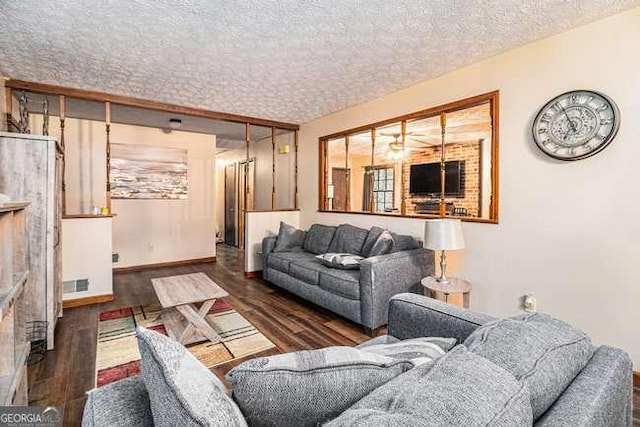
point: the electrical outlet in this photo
(530, 303)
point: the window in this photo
(383, 185)
(431, 163)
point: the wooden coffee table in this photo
(178, 295)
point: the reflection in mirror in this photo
(337, 175)
(422, 166)
(468, 162)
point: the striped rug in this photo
(117, 354)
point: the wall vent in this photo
(78, 285)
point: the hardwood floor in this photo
(67, 373)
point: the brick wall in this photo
(469, 152)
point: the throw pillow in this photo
(306, 388)
(181, 390)
(383, 245)
(458, 389)
(348, 239)
(290, 239)
(372, 236)
(341, 261)
(318, 238)
(403, 242)
(417, 350)
(544, 352)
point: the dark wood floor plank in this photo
(291, 323)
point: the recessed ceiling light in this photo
(175, 123)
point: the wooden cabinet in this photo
(14, 348)
(30, 170)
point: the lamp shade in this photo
(443, 234)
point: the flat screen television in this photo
(424, 179)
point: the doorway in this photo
(230, 205)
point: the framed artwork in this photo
(148, 172)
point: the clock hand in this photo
(573, 127)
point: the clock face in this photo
(576, 125)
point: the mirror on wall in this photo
(432, 163)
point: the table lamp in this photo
(443, 234)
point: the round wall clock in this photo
(576, 125)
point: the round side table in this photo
(455, 286)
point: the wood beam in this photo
(403, 202)
(371, 169)
(273, 168)
(443, 131)
(144, 103)
(63, 163)
(107, 113)
(296, 201)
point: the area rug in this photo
(117, 353)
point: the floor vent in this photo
(71, 286)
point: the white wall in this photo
(86, 254)
(259, 226)
(568, 231)
(156, 231)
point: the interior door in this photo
(340, 180)
(230, 205)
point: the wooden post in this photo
(108, 151)
(8, 103)
(62, 156)
(403, 202)
(273, 168)
(372, 169)
(443, 127)
(296, 202)
(347, 203)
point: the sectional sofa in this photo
(527, 370)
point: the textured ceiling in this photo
(287, 60)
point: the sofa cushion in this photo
(402, 242)
(341, 261)
(282, 260)
(459, 389)
(181, 390)
(417, 350)
(307, 388)
(289, 238)
(544, 352)
(123, 403)
(372, 236)
(345, 283)
(348, 239)
(278, 262)
(383, 244)
(318, 238)
(306, 270)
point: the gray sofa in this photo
(597, 394)
(360, 295)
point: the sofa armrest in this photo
(601, 395)
(123, 403)
(383, 276)
(412, 316)
(268, 244)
